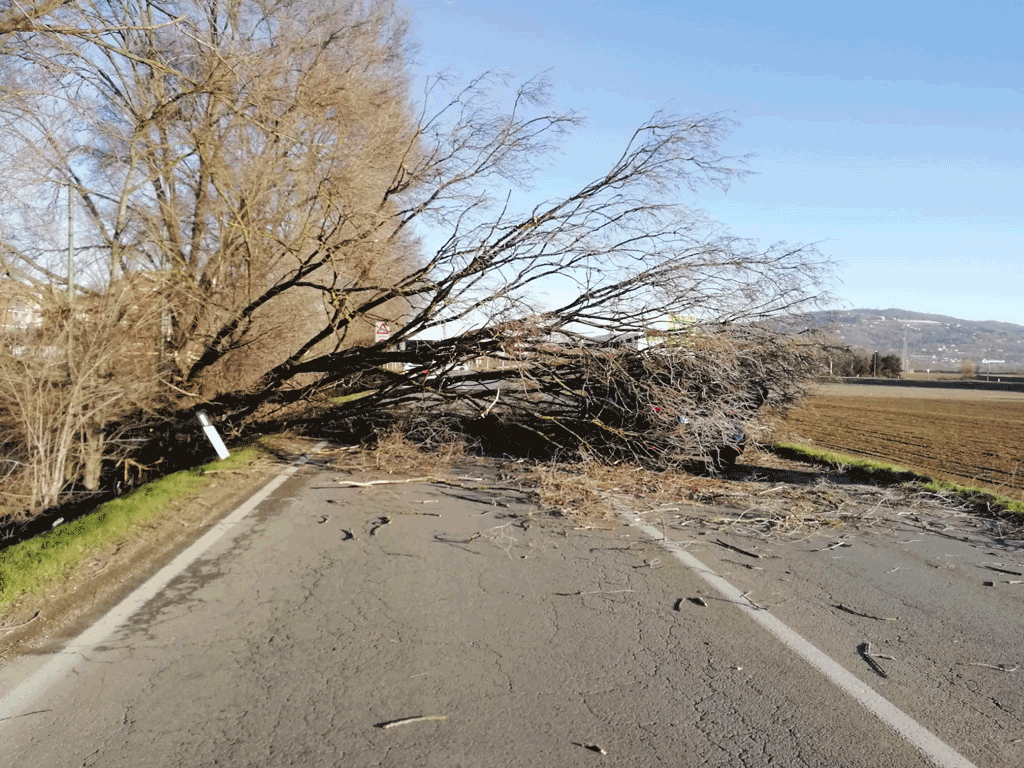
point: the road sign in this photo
(383, 332)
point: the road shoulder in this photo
(40, 622)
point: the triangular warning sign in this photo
(382, 330)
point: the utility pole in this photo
(71, 250)
(71, 275)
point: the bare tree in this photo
(231, 147)
(67, 372)
(234, 155)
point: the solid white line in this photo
(937, 751)
(17, 701)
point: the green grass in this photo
(33, 565)
(866, 470)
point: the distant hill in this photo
(933, 342)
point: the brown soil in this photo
(972, 438)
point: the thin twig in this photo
(591, 747)
(835, 546)
(1003, 570)
(864, 649)
(748, 566)
(746, 597)
(407, 720)
(487, 410)
(737, 549)
(999, 667)
(26, 714)
(24, 623)
(842, 607)
(372, 483)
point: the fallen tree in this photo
(266, 167)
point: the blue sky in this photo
(891, 133)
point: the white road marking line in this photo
(935, 749)
(16, 702)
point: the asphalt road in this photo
(526, 640)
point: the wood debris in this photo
(1003, 570)
(648, 563)
(35, 616)
(378, 524)
(864, 649)
(842, 607)
(748, 566)
(837, 545)
(591, 747)
(407, 720)
(751, 603)
(737, 549)
(372, 483)
(998, 667)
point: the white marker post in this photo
(211, 434)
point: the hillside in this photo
(933, 342)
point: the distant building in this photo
(20, 307)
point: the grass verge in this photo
(878, 473)
(33, 565)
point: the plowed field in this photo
(973, 438)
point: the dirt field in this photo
(974, 438)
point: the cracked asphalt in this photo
(487, 634)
